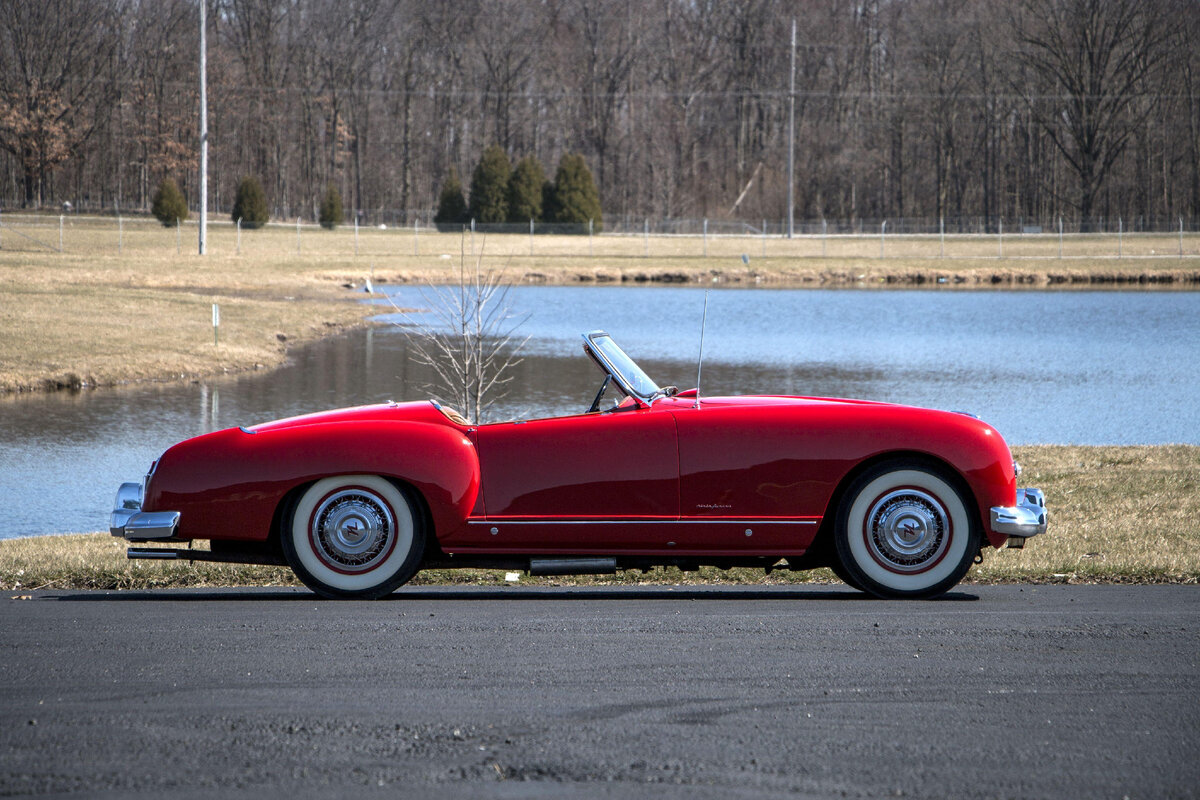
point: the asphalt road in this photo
(1057, 691)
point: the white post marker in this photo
(239, 236)
(531, 236)
(216, 322)
(882, 236)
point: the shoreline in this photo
(797, 274)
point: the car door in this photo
(547, 479)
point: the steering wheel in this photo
(595, 406)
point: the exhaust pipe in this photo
(572, 566)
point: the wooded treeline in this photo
(1021, 110)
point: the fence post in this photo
(1060, 237)
(239, 236)
(416, 236)
(216, 322)
(942, 235)
(882, 235)
(1120, 234)
(646, 236)
(472, 236)
(591, 230)
(60, 233)
(356, 231)
(531, 236)
(705, 234)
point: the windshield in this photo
(625, 371)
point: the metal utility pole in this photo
(792, 139)
(203, 130)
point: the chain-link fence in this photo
(623, 239)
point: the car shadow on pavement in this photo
(491, 594)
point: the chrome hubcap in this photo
(907, 530)
(352, 530)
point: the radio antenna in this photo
(700, 361)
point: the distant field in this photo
(1117, 514)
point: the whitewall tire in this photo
(353, 536)
(904, 529)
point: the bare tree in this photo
(1099, 56)
(51, 56)
(468, 337)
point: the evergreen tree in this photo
(525, 190)
(489, 186)
(331, 208)
(452, 206)
(250, 204)
(574, 198)
(168, 205)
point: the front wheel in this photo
(905, 530)
(353, 536)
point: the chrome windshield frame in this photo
(605, 361)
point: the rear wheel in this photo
(353, 536)
(905, 529)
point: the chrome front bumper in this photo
(128, 519)
(1027, 518)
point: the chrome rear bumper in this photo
(128, 519)
(1027, 518)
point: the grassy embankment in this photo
(123, 306)
(1118, 514)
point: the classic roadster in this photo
(898, 501)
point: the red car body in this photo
(677, 480)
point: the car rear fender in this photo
(231, 484)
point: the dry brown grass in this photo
(1117, 514)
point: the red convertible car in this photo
(898, 501)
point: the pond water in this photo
(1043, 367)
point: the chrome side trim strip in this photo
(643, 522)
